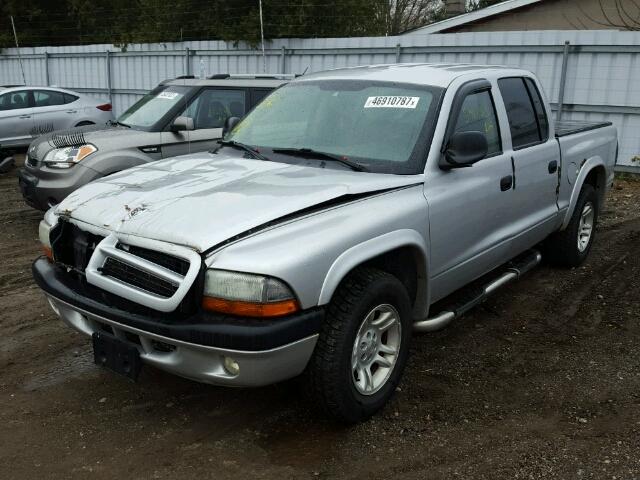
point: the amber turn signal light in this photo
(248, 309)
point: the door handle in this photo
(506, 183)
(24, 116)
(72, 111)
(553, 166)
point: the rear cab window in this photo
(528, 121)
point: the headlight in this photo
(43, 233)
(67, 157)
(247, 294)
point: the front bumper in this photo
(41, 190)
(195, 347)
(197, 362)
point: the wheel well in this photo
(407, 264)
(597, 178)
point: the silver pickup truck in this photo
(349, 209)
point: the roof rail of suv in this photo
(223, 76)
(267, 76)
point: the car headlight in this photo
(67, 157)
(247, 294)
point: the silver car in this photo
(28, 112)
(179, 116)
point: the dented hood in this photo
(203, 199)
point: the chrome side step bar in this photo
(514, 270)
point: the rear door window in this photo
(48, 98)
(212, 107)
(520, 111)
(541, 114)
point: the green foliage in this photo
(121, 22)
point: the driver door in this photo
(469, 208)
(209, 110)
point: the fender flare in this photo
(587, 166)
(360, 253)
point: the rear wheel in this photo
(570, 247)
(363, 346)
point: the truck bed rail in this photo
(569, 127)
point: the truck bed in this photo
(569, 127)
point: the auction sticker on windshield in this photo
(168, 95)
(391, 101)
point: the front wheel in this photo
(570, 247)
(363, 346)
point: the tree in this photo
(398, 16)
(76, 22)
(620, 14)
(478, 4)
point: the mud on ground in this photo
(541, 381)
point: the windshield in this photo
(376, 124)
(147, 111)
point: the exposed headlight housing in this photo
(247, 295)
(44, 231)
(67, 157)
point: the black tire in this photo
(329, 373)
(561, 248)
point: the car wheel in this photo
(363, 346)
(570, 247)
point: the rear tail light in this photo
(106, 107)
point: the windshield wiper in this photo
(310, 153)
(246, 148)
(111, 122)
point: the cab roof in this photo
(433, 74)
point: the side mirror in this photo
(229, 124)
(181, 124)
(464, 149)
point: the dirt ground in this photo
(541, 381)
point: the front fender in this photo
(587, 166)
(107, 163)
(368, 250)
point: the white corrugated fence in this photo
(601, 78)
